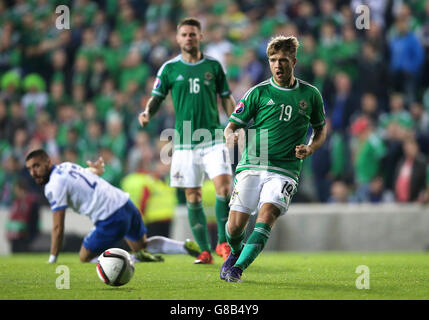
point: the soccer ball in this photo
(115, 267)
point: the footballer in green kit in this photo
(194, 87)
(282, 108)
(195, 81)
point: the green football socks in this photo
(198, 223)
(222, 211)
(235, 242)
(254, 245)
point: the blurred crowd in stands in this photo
(77, 92)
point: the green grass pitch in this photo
(273, 276)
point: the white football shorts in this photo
(253, 188)
(189, 166)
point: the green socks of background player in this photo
(253, 247)
(222, 212)
(198, 223)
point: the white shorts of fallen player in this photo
(253, 188)
(188, 167)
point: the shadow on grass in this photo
(121, 289)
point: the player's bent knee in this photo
(193, 195)
(268, 214)
(237, 222)
(222, 185)
(223, 191)
(86, 255)
(84, 258)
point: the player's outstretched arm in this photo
(57, 234)
(151, 108)
(302, 151)
(96, 167)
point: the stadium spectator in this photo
(307, 56)
(373, 73)
(424, 197)
(406, 59)
(368, 150)
(321, 79)
(98, 75)
(60, 69)
(57, 96)
(369, 107)
(393, 127)
(346, 54)
(70, 154)
(12, 173)
(342, 102)
(3, 124)
(424, 39)
(219, 45)
(10, 55)
(410, 176)
(421, 125)
(329, 163)
(23, 224)
(340, 192)
(67, 117)
(113, 166)
(328, 41)
(114, 137)
(10, 83)
(35, 97)
(378, 193)
(89, 142)
(17, 120)
(136, 155)
(20, 144)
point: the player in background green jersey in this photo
(282, 108)
(195, 81)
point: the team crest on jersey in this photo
(239, 108)
(302, 107)
(208, 76)
(157, 83)
(178, 176)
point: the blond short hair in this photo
(282, 43)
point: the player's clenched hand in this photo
(144, 118)
(231, 137)
(96, 167)
(302, 151)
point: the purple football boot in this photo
(228, 264)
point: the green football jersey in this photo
(281, 120)
(194, 88)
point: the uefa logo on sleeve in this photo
(157, 83)
(239, 108)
